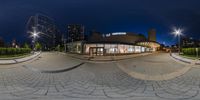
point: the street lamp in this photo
(34, 35)
(178, 32)
(65, 43)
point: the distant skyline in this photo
(104, 16)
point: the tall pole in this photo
(178, 33)
(65, 45)
(179, 39)
(197, 52)
(34, 44)
(34, 38)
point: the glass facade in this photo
(101, 49)
(107, 48)
(49, 35)
(75, 47)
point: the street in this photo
(55, 76)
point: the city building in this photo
(151, 41)
(189, 42)
(116, 43)
(95, 36)
(152, 35)
(118, 37)
(75, 32)
(49, 36)
(152, 45)
(111, 48)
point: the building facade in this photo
(152, 45)
(49, 35)
(75, 32)
(119, 37)
(152, 35)
(117, 43)
(100, 49)
(189, 42)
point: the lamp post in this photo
(65, 43)
(34, 35)
(178, 33)
(197, 52)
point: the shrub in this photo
(14, 51)
(190, 51)
(26, 45)
(38, 46)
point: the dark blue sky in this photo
(105, 16)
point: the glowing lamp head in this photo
(34, 34)
(178, 31)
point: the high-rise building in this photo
(152, 35)
(189, 42)
(49, 35)
(75, 32)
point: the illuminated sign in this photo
(107, 35)
(119, 33)
(115, 33)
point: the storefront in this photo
(112, 49)
(103, 48)
(117, 43)
(96, 51)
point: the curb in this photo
(91, 59)
(34, 56)
(53, 71)
(62, 70)
(182, 60)
(185, 60)
(19, 60)
(197, 63)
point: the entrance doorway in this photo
(96, 51)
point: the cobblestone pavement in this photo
(91, 81)
(157, 66)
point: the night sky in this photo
(104, 16)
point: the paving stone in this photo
(91, 81)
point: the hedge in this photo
(190, 51)
(14, 51)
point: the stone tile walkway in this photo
(92, 81)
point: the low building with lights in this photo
(118, 43)
(152, 45)
(112, 49)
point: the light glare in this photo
(178, 31)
